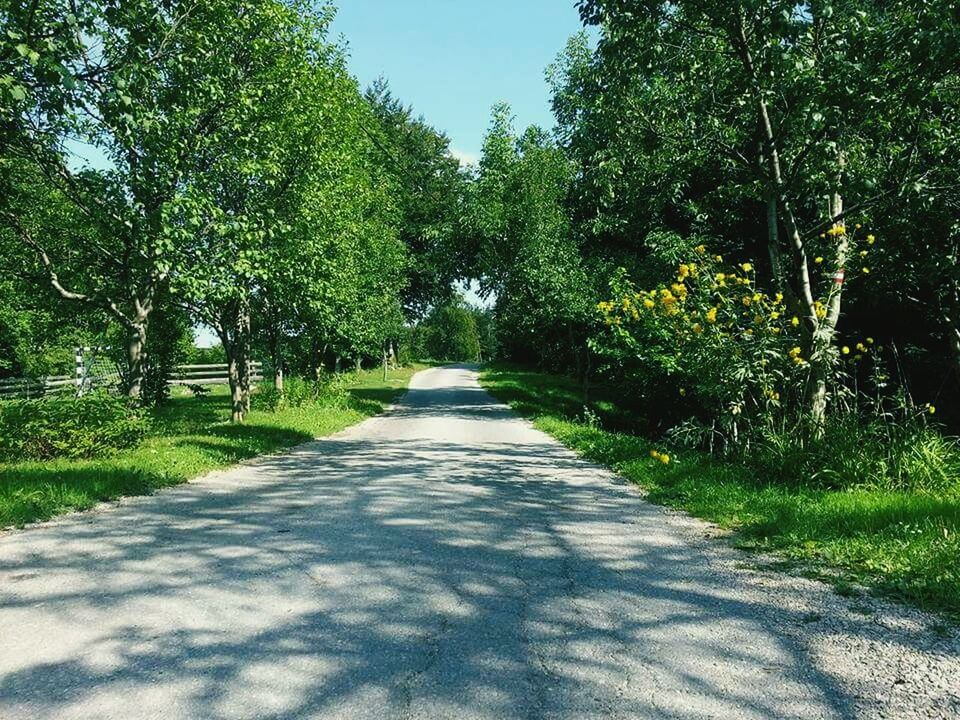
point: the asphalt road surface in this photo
(444, 560)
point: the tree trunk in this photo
(951, 320)
(824, 337)
(278, 373)
(773, 244)
(236, 389)
(243, 333)
(136, 342)
(277, 358)
(229, 329)
(953, 333)
(820, 323)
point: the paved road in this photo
(445, 560)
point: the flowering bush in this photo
(731, 351)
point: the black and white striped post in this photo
(81, 368)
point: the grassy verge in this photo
(902, 543)
(189, 436)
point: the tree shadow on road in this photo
(376, 578)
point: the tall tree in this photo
(143, 87)
(763, 109)
(526, 254)
(428, 188)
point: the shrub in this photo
(905, 455)
(329, 390)
(725, 360)
(79, 427)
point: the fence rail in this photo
(30, 388)
(34, 387)
(213, 374)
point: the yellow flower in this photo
(757, 297)
(747, 267)
(794, 352)
(720, 277)
(649, 304)
(654, 454)
(845, 350)
(818, 260)
(697, 328)
(866, 271)
(700, 249)
(718, 258)
(861, 347)
(858, 226)
(747, 300)
(774, 315)
(871, 239)
(711, 315)
(863, 253)
(778, 298)
(931, 409)
(795, 321)
(664, 458)
(869, 341)
(683, 392)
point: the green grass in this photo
(901, 543)
(189, 436)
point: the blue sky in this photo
(453, 59)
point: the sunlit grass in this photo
(189, 436)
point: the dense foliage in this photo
(167, 165)
(89, 426)
(451, 334)
(746, 216)
(744, 219)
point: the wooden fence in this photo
(11, 388)
(29, 388)
(210, 374)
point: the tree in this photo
(428, 187)
(143, 87)
(761, 109)
(524, 247)
(451, 333)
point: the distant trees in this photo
(524, 248)
(451, 333)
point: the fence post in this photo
(78, 356)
